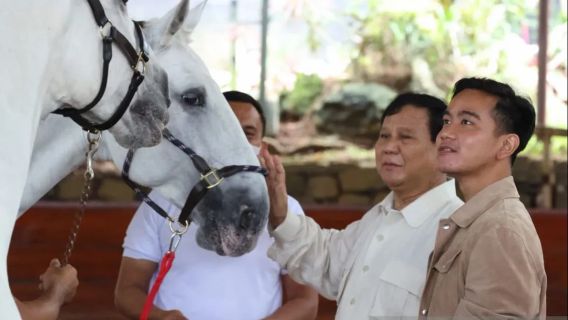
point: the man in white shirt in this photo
(201, 284)
(376, 267)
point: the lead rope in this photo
(93, 137)
(165, 266)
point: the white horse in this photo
(231, 216)
(198, 113)
(51, 57)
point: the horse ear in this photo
(194, 16)
(160, 32)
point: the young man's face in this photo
(250, 121)
(404, 153)
(468, 142)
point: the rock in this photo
(354, 199)
(295, 184)
(354, 111)
(561, 172)
(359, 179)
(323, 187)
(560, 196)
(528, 170)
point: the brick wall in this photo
(350, 184)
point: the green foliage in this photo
(299, 100)
(558, 147)
(455, 38)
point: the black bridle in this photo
(136, 59)
(210, 178)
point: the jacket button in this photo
(424, 312)
(446, 226)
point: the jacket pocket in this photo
(400, 289)
(446, 260)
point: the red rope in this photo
(165, 266)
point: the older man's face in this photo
(405, 155)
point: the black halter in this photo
(137, 61)
(210, 178)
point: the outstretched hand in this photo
(276, 183)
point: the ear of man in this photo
(509, 143)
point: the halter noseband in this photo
(210, 178)
(137, 61)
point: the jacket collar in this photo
(483, 200)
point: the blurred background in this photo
(324, 71)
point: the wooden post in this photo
(545, 199)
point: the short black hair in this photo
(434, 106)
(239, 96)
(512, 113)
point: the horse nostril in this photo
(246, 219)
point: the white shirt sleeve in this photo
(295, 207)
(313, 255)
(142, 239)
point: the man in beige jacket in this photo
(487, 261)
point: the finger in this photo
(269, 164)
(278, 167)
(262, 157)
(55, 263)
(261, 160)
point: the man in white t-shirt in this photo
(202, 284)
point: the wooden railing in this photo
(41, 234)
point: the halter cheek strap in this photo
(137, 61)
(210, 178)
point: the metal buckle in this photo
(175, 238)
(140, 64)
(105, 30)
(212, 179)
(180, 231)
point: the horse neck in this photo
(59, 149)
(28, 61)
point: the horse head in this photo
(232, 215)
(78, 66)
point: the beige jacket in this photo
(487, 261)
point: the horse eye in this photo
(192, 99)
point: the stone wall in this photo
(348, 184)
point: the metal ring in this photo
(94, 136)
(89, 174)
(179, 231)
(106, 27)
(140, 64)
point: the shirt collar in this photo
(385, 206)
(419, 210)
(483, 200)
